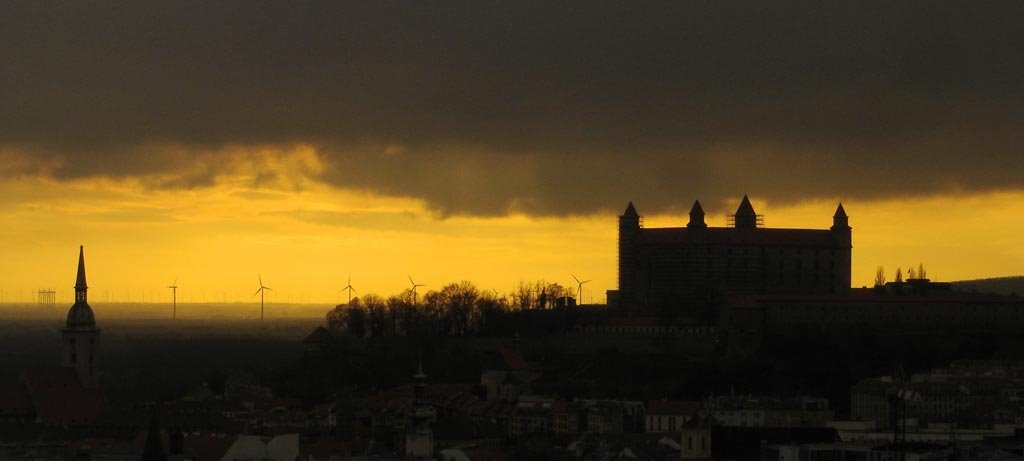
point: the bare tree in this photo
(523, 297)
(899, 276)
(880, 276)
(350, 318)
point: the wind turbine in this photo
(579, 288)
(414, 285)
(174, 297)
(349, 289)
(260, 292)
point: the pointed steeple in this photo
(420, 375)
(696, 216)
(80, 282)
(154, 448)
(630, 211)
(745, 217)
(80, 315)
(419, 388)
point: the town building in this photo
(669, 415)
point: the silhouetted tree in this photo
(523, 297)
(459, 301)
(492, 312)
(880, 276)
(350, 318)
(899, 276)
(376, 309)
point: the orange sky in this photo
(306, 238)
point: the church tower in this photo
(419, 438)
(80, 336)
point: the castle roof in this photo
(733, 236)
(630, 210)
(745, 208)
(696, 208)
(840, 212)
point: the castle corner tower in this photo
(629, 232)
(80, 337)
(745, 217)
(843, 235)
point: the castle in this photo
(675, 267)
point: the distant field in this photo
(999, 285)
(147, 353)
(24, 328)
(186, 311)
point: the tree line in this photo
(456, 309)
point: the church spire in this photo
(81, 288)
(80, 335)
(154, 448)
(80, 315)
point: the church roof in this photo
(80, 317)
(319, 336)
(696, 208)
(672, 407)
(745, 208)
(513, 359)
(59, 397)
(15, 400)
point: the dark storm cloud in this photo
(544, 107)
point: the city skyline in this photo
(892, 234)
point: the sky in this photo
(491, 141)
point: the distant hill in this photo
(998, 285)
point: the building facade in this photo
(681, 266)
